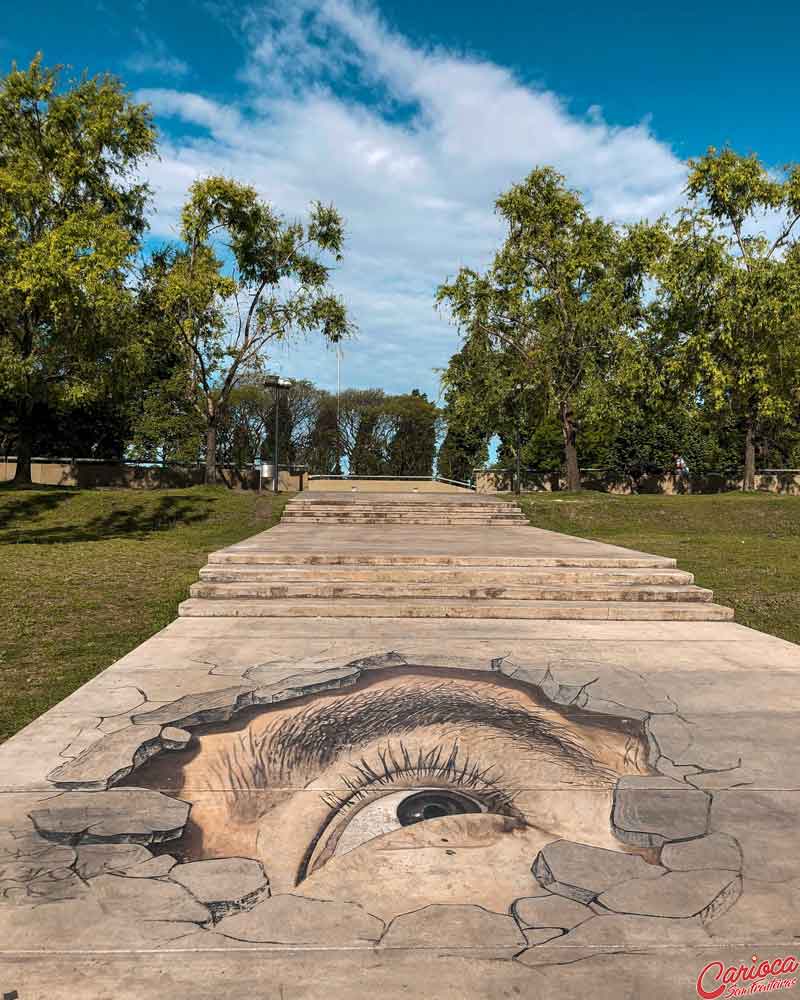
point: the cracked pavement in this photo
(96, 886)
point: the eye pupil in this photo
(433, 804)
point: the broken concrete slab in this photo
(704, 893)
(296, 921)
(449, 926)
(109, 759)
(581, 872)
(193, 709)
(717, 850)
(97, 859)
(156, 867)
(651, 810)
(550, 911)
(149, 899)
(224, 885)
(119, 815)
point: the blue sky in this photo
(411, 117)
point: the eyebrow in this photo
(316, 736)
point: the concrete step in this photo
(485, 576)
(398, 500)
(388, 507)
(271, 557)
(461, 591)
(432, 521)
(464, 515)
(433, 608)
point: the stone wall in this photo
(502, 481)
(86, 474)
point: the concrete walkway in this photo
(332, 806)
(424, 557)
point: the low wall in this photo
(502, 481)
(90, 474)
(334, 485)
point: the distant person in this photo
(681, 468)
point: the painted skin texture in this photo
(315, 789)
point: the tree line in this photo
(584, 343)
(100, 343)
(362, 431)
(590, 344)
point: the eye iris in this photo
(433, 805)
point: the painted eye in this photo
(433, 804)
(388, 813)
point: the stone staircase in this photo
(361, 570)
(422, 509)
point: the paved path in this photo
(330, 806)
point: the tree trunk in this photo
(211, 454)
(570, 451)
(22, 475)
(749, 482)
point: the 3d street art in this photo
(541, 802)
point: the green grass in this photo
(86, 575)
(744, 546)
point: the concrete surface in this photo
(606, 808)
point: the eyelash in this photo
(435, 765)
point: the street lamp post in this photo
(277, 383)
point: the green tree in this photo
(365, 430)
(412, 448)
(71, 215)
(321, 449)
(730, 296)
(461, 452)
(562, 294)
(278, 288)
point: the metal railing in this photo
(346, 476)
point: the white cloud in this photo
(152, 57)
(413, 146)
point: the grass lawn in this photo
(744, 546)
(86, 575)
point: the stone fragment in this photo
(550, 911)
(295, 921)
(717, 850)
(597, 687)
(193, 709)
(225, 885)
(704, 893)
(648, 811)
(148, 899)
(581, 872)
(443, 925)
(156, 867)
(95, 859)
(109, 759)
(119, 815)
(379, 661)
(305, 682)
(173, 738)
